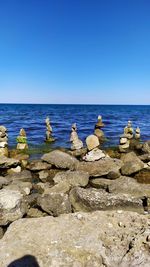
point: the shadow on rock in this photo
(26, 261)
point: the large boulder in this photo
(101, 167)
(96, 199)
(55, 203)
(60, 159)
(12, 206)
(143, 176)
(111, 239)
(6, 163)
(132, 164)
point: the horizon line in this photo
(86, 104)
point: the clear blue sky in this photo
(75, 51)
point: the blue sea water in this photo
(31, 117)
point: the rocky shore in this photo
(80, 207)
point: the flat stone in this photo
(73, 178)
(6, 163)
(60, 159)
(94, 155)
(101, 167)
(38, 165)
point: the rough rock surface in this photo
(143, 176)
(98, 239)
(55, 203)
(73, 178)
(128, 185)
(102, 183)
(101, 167)
(38, 165)
(11, 206)
(60, 159)
(97, 199)
(24, 176)
(132, 164)
(6, 163)
(94, 154)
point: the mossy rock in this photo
(21, 139)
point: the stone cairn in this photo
(94, 153)
(74, 139)
(98, 132)
(49, 130)
(137, 133)
(126, 137)
(3, 141)
(22, 140)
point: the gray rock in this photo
(101, 167)
(101, 183)
(94, 154)
(24, 176)
(3, 181)
(60, 160)
(99, 239)
(38, 165)
(1, 232)
(6, 163)
(12, 206)
(132, 164)
(96, 199)
(112, 175)
(128, 185)
(73, 178)
(55, 203)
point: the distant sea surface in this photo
(31, 117)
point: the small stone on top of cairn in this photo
(74, 139)
(94, 153)
(3, 141)
(98, 132)
(129, 139)
(22, 140)
(49, 130)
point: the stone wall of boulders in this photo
(60, 183)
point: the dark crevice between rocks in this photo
(145, 203)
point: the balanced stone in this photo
(22, 140)
(128, 130)
(92, 142)
(137, 133)
(3, 141)
(98, 132)
(74, 139)
(49, 130)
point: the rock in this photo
(100, 134)
(100, 183)
(94, 154)
(14, 170)
(60, 159)
(97, 199)
(73, 178)
(11, 206)
(3, 181)
(6, 163)
(143, 176)
(74, 139)
(35, 213)
(55, 203)
(101, 167)
(132, 164)
(99, 239)
(1, 232)
(92, 142)
(24, 176)
(128, 185)
(38, 165)
(79, 152)
(24, 187)
(145, 157)
(3, 129)
(146, 147)
(113, 175)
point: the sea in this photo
(32, 117)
